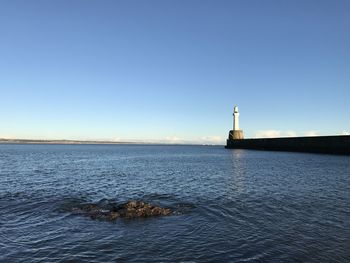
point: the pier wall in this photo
(318, 144)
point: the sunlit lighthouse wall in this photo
(236, 133)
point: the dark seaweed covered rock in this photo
(106, 210)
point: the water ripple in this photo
(230, 206)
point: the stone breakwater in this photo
(339, 144)
(111, 211)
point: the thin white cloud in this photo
(311, 133)
(267, 134)
(213, 140)
(173, 139)
(290, 134)
(6, 136)
(274, 134)
(278, 133)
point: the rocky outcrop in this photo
(106, 210)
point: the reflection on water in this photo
(238, 170)
(231, 205)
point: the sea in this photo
(230, 205)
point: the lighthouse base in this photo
(235, 135)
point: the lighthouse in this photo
(235, 119)
(236, 133)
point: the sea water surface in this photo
(233, 205)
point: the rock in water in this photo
(131, 209)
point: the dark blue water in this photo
(234, 205)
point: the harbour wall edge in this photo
(338, 144)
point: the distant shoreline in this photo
(29, 141)
(78, 142)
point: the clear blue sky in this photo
(173, 70)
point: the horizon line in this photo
(73, 141)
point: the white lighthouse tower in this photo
(236, 133)
(235, 119)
